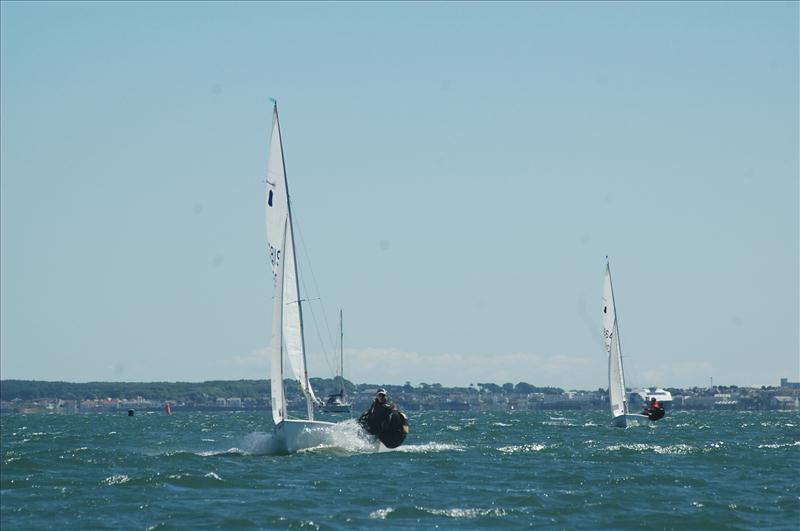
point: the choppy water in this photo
(467, 470)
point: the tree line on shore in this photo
(209, 390)
(199, 392)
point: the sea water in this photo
(570, 470)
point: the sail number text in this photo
(274, 255)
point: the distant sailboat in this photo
(616, 376)
(336, 403)
(287, 316)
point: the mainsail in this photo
(616, 377)
(276, 369)
(280, 235)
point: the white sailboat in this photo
(337, 403)
(287, 320)
(616, 376)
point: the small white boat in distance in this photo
(616, 376)
(336, 403)
(287, 313)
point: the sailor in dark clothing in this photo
(384, 421)
(374, 419)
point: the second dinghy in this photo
(616, 376)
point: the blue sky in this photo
(458, 174)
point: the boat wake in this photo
(256, 443)
(345, 437)
(342, 438)
(426, 448)
(523, 448)
(673, 449)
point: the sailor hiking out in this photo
(654, 411)
(385, 421)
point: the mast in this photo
(341, 352)
(615, 331)
(306, 384)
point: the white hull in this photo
(294, 435)
(626, 421)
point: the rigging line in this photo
(590, 323)
(633, 371)
(316, 284)
(316, 328)
(311, 307)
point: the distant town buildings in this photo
(480, 397)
